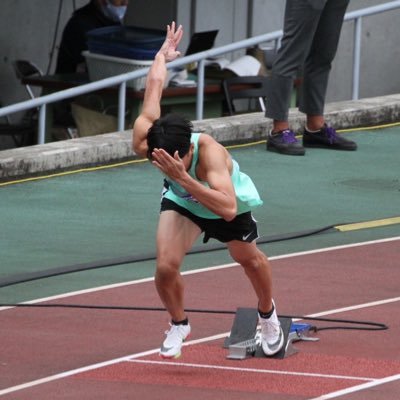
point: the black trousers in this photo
(311, 35)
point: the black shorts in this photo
(243, 227)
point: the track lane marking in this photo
(154, 351)
(358, 388)
(254, 370)
(368, 224)
(142, 354)
(201, 270)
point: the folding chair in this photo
(24, 69)
(250, 88)
(23, 134)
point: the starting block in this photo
(245, 340)
(301, 332)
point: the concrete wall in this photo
(116, 147)
(28, 29)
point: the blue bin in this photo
(125, 42)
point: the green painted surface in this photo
(110, 213)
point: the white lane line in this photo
(137, 355)
(67, 374)
(201, 270)
(254, 370)
(355, 307)
(153, 351)
(91, 367)
(358, 388)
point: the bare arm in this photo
(154, 87)
(214, 168)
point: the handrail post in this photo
(121, 106)
(42, 124)
(276, 36)
(356, 58)
(200, 90)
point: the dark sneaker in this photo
(327, 138)
(284, 142)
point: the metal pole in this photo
(356, 58)
(276, 35)
(42, 124)
(200, 90)
(121, 106)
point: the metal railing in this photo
(41, 102)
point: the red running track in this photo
(62, 353)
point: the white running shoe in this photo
(272, 337)
(176, 335)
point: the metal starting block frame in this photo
(242, 350)
(245, 341)
(301, 332)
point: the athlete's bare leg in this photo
(257, 268)
(175, 237)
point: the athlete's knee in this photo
(256, 260)
(167, 269)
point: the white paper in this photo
(244, 66)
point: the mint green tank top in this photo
(247, 196)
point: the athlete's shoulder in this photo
(206, 140)
(211, 153)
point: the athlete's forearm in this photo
(154, 87)
(151, 109)
(218, 202)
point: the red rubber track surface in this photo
(41, 343)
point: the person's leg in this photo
(318, 63)
(175, 236)
(316, 72)
(257, 268)
(300, 22)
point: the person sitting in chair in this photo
(95, 14)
